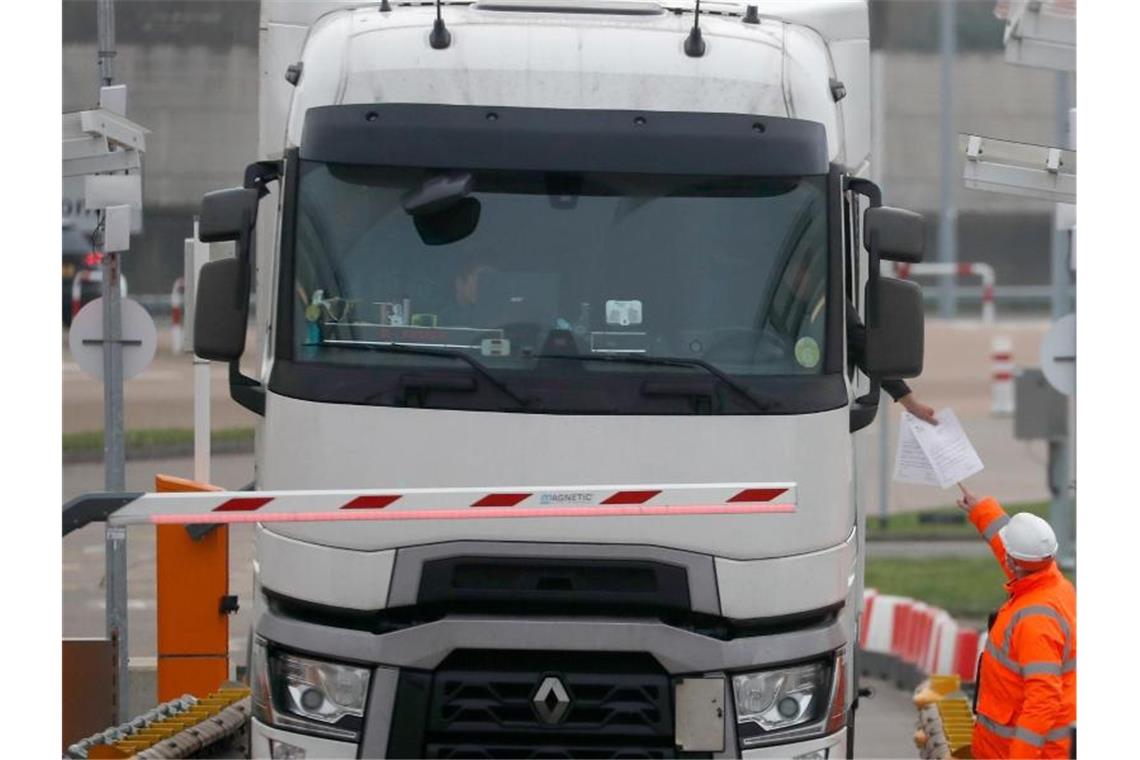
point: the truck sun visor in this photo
(547, 139)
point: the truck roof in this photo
(832, 19)
(619, 54)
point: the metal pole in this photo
(201, 254)
(948, 143)
(106, 31)
(1060, 302)
(114, 476)
(1061, 507)
(113, 450)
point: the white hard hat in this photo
(1027, 537)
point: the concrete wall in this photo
(201, 107)
(192, 69)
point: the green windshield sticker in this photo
(807, 352)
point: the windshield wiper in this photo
(759, 405)
(399, 348)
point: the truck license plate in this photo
(700, 714)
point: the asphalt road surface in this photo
(884, 723)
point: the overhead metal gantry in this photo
(1012, 168)
(1040, 33)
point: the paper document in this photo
(911, 464)
(938, 455)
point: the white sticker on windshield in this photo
(807, 352)
(495, 347)
(623, 313)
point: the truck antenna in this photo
(694, 43)
(440, 38)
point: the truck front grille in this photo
(597, 705)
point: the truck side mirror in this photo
(896, 234)
(221, 312)
(895, 345)
(228, 214)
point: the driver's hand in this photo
(918, 409)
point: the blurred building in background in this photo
(192, 70)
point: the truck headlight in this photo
(790, 703)
(303, 694)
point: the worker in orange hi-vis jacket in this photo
(1027, 677)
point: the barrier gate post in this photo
(193, 582)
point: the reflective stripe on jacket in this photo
(1027, 697)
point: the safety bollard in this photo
(1001, 355)
(988, 309)
(177, 295)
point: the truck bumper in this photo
(265, 739)
(416, 658)
(829, 747)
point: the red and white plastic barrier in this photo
(919, 635)
(876, 631)
(177, 296)
(983, 271)
(1001, 353)
(945, 638)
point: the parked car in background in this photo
(79, 255)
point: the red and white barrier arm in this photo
(458, 503)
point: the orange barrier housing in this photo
(192, 578)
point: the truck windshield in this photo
(726, 272)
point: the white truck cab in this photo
(573, 254)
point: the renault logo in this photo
(551, 700)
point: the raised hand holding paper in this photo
(939, 454)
